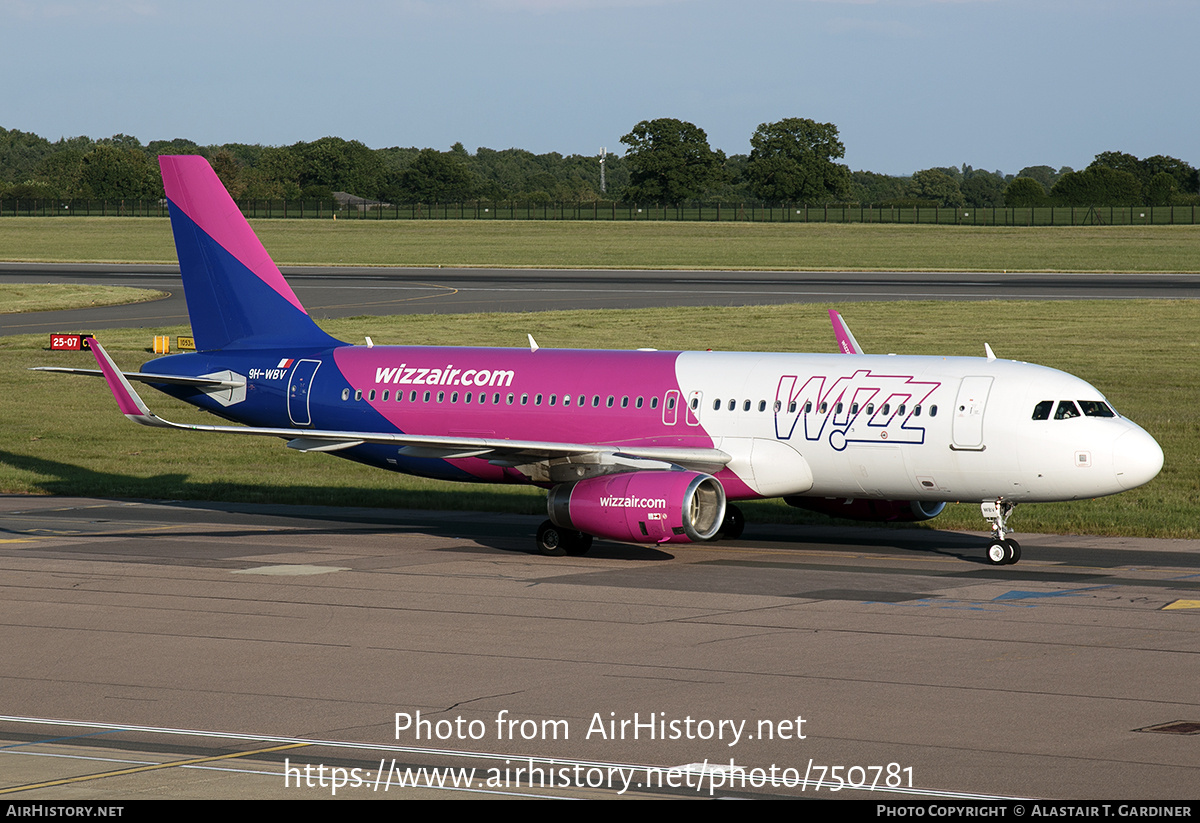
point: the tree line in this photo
(666, 161)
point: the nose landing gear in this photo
(1002, 551)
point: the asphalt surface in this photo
(187, 650)
(348, 292)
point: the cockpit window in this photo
(1066, 410)
(1042, 410)
(1096, 408)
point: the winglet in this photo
(846, 342)
(127, 399)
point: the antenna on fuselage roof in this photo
(991, 355)
(533, 346)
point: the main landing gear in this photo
(555, 541)
(1002, 551)
(734, 523)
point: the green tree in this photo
(869, 187)
(334, 164)
(792, 161)
(108, 172)
(1187, 179)
(1025, 192)
(982, 189)
(670, 161)
(434, 177)
(61, 171)
(1098, 186)
(20, 153)
(938, 186)
(1161, 189)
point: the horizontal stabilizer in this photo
(147, 377)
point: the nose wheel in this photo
(1002, 551)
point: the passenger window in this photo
(441, 397)
(412, 398)
(595, 400)
(870, 408)
(553, 399)
(732, 405)
(695, 403)
(1042, 410)
(426, 398)
(717, 404)
(808, 407)
(496, 399)
(467, 399)
(345, 394)
(886, 409)
(625, 401)
(357, 395)
(762, 405)
(1066, 410)
(933, 410)
(454, 397)
(639, 401)
(537, 400)
(385, 395)
(746, 406)
(900, 411)
(917, 410)
(779, 405)
(838, 409)
(609, 402)
(371, 396)
(524, 400)
(1096, 408)
(854, 408)
(654, 403)
(510, 398)
(824, 407)
(566, 400)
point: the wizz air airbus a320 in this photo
(633, 446)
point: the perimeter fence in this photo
(633, 212)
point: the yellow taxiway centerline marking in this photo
(151, 767)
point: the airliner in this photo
(645, 446)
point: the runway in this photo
(347, 292)
(197, 646)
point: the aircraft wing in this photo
(509, 452)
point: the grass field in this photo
(828, 247)
(19, 297)
(63, 435)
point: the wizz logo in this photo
(859, 408)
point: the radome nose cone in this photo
(1137, 458)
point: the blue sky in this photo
(998, 84)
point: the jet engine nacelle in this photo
(642, 506)
(859, 508)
